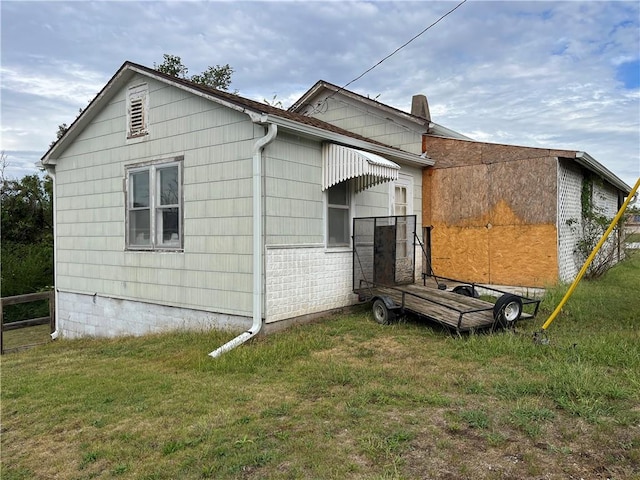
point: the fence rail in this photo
(26, 298)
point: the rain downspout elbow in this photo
(258, 149)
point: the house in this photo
(496, 214)
(181, 206)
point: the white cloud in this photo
(67, 82)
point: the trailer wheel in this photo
(466, 290)
(507, 309)
(381, 313)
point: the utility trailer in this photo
(384, 274)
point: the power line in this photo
(398, 49)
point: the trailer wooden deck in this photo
(451, 309)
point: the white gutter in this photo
(440, 131)
(592, 164)
(50, 168)
(257, 245)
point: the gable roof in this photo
(307, 100)
(260, 113)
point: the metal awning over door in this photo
(341, 163)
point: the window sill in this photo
(153, 250)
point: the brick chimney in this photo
(420, 107)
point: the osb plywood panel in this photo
(448, 152)
(492, 153)
(508, 193)
(506, 255)
(496, 247)
(562, 153)
(527, 188)
(460, 252)
(493, 209)
(459, 196)
(523, 255)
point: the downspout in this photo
(257, 245)
(52, 173)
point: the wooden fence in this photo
(29, 297)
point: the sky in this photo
(562, 75)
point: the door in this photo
(384, 254)
(402, 205)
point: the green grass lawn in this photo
(24, 337)
(344, 398)
(632, 238)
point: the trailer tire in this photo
(507, 309)
(466, 290)
(381, 313)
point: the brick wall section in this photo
(82, 315)
(301, 281)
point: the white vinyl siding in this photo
(294, 201)
(345, 113)
(214, 270)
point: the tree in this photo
(26, 209)
(274, 102)
(214, 77)
(172, 65)
(26, 242)
(62, 129)
(3, 166)
(590, 228)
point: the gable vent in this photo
(137, 117)
(137, 111)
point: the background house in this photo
(497, 214)
(180, 206)
(511, 215)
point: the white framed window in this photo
(138, 111)
(339, 215)
(154, 206)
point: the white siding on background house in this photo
(369, 122)
(569, 218)
(214, 272)
(605, 199)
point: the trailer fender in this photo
(384, 309)
(466, 290)
(388, 301)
